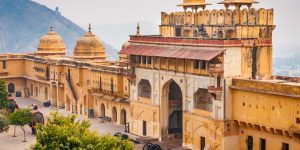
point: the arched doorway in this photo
(123, 116)
(11, 88)
(114, 115)
(102, 109)
(172, 109)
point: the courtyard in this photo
(8, 142)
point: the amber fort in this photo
(205, 78)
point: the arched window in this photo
(202, 100)
(144, 89)
(220, 34)
(11, 88)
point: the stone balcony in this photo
(216, 92)
(42, 77)
(215, 68)
(131, 77)
(3, 72)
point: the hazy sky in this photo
(98, 12)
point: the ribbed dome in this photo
(89, 46)
(51, 44)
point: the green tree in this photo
(65, 133)
(4, 122)
(21, 118)
(3, 95)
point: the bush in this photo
(21, 118)
(64, 133)
(4, 122)
(3, 95)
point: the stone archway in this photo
(102, 110)
(171, 106)
(123, 117)
(114, 115)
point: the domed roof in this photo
(89, 46)
(125, 44)
(51, 44)
(124, 57)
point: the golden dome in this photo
(89, 47)
(125, 44)
(51, 44)
(124, 57)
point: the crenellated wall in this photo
(220, 17)
(245, 23)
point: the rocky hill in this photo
(23, 22)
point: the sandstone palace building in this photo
(206, 79)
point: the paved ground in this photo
(7, 142)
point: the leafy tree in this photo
(65, 133)
(3, 95)
(21, 118)
(4, 122)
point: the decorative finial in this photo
(51, 28)
(138, 29)
(90, 27)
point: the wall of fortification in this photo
(220, 17)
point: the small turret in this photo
(238, 3)
(138, 28)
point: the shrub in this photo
(3, 95)
(64, 133)
(4, 122)
(21, 118)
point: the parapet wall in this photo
(220, 17)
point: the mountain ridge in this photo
(24, 22)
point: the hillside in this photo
(23, 22)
